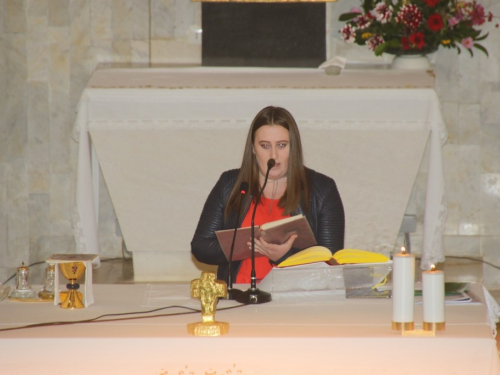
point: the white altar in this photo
(325, 337)
(163, 136)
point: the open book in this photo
(276, 232)
(316, 254)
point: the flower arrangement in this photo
(416, 26)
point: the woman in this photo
(291, 189)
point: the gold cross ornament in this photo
(208, 290)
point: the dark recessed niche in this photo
(263, 34)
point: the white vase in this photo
(411, 62)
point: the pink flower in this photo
(410, 16)
(453, 21)
(467, 42)
(374, 42)
(383, 12)
(348, 33)
(356, 10)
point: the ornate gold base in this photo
(208, 329)
(434, 326)
(46, 295)
(403, 326)
(73, 300)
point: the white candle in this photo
(403, 291)
(433, 299)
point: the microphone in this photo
(254, 295)
(232, 293)
(270, 163)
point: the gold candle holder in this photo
(403, 326)
(47, 292)
(23, 291)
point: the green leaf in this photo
(394, 43)
(368, 5)
(475, 34)
(380, 49)
(348, 16)
(482, 37)
(481, 48)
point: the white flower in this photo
(383, 12)
(364, 21)
(374, 42)
(348, 33)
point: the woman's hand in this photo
(273, 251)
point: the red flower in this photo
(477, 15)
(435, 22)
(432, 3)
(405, 43)
(417, 39)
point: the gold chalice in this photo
(72, 271)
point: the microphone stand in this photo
(254, 295)
(232, 293)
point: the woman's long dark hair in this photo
(297, 187)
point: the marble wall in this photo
(48, 49)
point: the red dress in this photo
(267, 211)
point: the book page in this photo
(277, 223)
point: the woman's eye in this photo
(264, 146)
(282, 145)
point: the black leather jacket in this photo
(325, 215)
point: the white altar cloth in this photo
(126, 111)
(344, 336)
